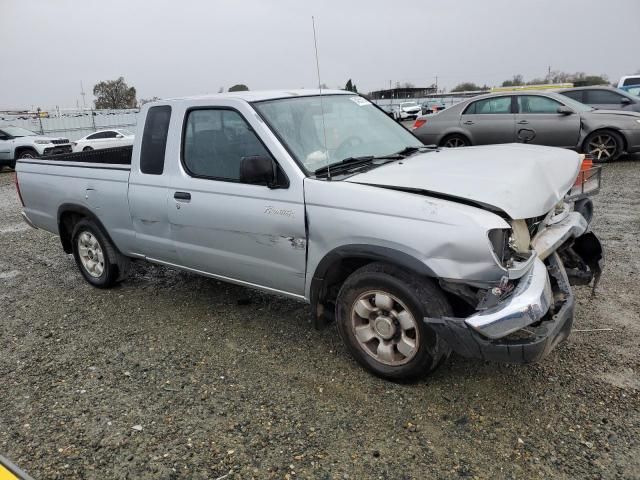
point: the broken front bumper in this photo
(525, 327)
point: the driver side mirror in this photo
(260, 170)
(625, 101)
(119, 136)
(564, 110)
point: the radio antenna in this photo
(324, 130)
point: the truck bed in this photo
(96, 181)
(109, 156)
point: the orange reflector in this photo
(418, 123)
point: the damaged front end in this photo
(524, 317)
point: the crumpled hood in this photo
(524, 181)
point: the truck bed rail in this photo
(112, 156)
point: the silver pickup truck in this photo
(413, 251)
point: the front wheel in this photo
(603, 146)
(99, 262)
(87, 149)
(28, 154)
(380, 311)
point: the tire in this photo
(28, 153)
(455, 141)
(87, 149)
(99, 262)
(12, 165)
(386, 321)
(603, 145)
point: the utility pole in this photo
(84, 105)
(549, 74)
(436, 83)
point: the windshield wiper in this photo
(352, 161)
(355, 161)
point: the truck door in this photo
(243, 232)
(539, 114)
(148, 193)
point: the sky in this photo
(190, 47)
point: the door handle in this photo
(182, 196)
(468, 122)
(523, 122)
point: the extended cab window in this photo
(537, 104)
(215, 142)
(489, 105)
(154, 140)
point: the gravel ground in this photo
(175, 376)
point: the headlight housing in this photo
(42, 142)
(512, 244)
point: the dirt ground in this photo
(174, 376)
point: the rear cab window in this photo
(154, 140)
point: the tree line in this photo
(579, 79)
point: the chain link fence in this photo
(71, 124)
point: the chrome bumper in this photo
(548, 240)
(528, 303)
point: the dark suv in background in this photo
(603, 98)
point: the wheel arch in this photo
(607, 128)
(21, 148)
(455, 133)
(68, 215)
(339, 263)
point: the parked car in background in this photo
(632, 89)
(104, 139)
(409, 110)
(603, 98)
(414, 252)
(536, 117)
(432, 107)
(18, 142)
(392, 110)
(629, 80)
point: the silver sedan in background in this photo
(536, 117)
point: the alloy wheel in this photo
(90, 253)
(455, 142)
(384, 328)
(603, 147)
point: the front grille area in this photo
(57, 150)
(60, 141)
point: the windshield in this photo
(125, 132)
(17, 131)
(634, 90)
(353, 127)
(409, 104)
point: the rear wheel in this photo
(455, 141)
(604, 146)
(99, 262)
(380, 311)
